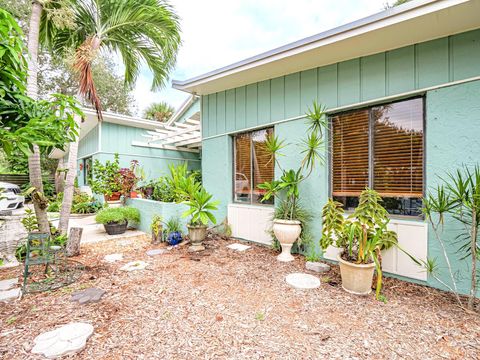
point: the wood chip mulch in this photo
(222, 304)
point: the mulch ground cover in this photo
(222, 304)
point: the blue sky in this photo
(216, 33)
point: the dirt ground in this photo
(223, 304)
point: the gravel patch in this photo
(223, 304)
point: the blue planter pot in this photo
(174, 238)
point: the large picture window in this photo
(382, 148)
(253, 166)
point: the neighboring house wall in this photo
(191, 110)
(452, 116)
(106, 139)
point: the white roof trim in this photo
(403, 25)
(184, 107)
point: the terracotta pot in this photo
(356, 278)
(196, 235)
(114, 197)
(115, 228)
(286, 232)
(133, 194)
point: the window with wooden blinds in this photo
(382, 148)
(398, 149)
(253, 166)
(350, 153)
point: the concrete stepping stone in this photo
(155, 252)
(9, 295)
(111, 258)
(317, 266)
(302, 281)
(8, 284)
(88, 295)
(66, 340)
(238, 247)
(134, 265)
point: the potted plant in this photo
(173, 229)
(200, 214)
(116, 220)
(107, 179)
(157, 229)
(362, 236)
(288, 226)
(130, 178)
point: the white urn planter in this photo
(286, 232)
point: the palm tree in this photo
(34, 166)
(139, 31)
(159, 111)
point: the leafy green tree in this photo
(159, 111)
(140, 31)
(27, 124)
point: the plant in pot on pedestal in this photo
(107, 179)
(116, 220)
(200, 213)
(290, 222)
(362, 236)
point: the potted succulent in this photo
(289, 223)
(107, 179)
(116, 220)
(200, 214)
(362, 236)
(173, 229)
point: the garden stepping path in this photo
(134, 265)
(66, 340)
(238, 247)
(88, 295)
(155, 252)
(317, 266)
(8, 290)
(302, 281)
(113, 258)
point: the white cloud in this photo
(216, 33)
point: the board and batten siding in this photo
(390, 73)
(88, 145)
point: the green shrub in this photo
(118, 215)
(163, 191)
(54, 206)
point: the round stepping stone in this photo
(134, 265)
(155, 252)
(88, 295)
(12, 294)
(302, 281)
(8, 284)
(113, 258)
(66, 340)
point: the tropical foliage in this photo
(160, 111)
(201, 208)
(106, 177)
(455, 206)
(362, 235)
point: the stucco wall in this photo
(452, 140)
(149, 208)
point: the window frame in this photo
(234, 170)
(371, 145)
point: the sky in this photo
(216, 33)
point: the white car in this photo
(10, 196)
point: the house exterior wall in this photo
(446, 71)
(106, 139)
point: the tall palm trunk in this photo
(69, 188)
(34, 166)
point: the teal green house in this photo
(153, 144)
(402, 91)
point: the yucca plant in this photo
(363, 235)
(459, 199)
